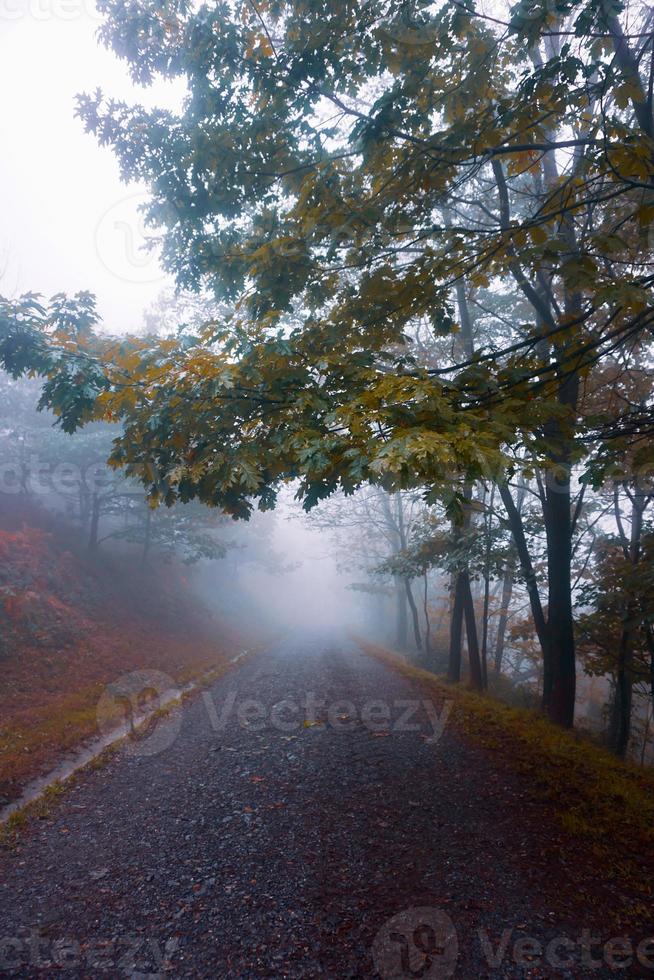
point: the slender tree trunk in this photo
(507, 593)
(476, 675)
(559, 683)
(484, 631)
(522, 549)
(646, 730)
(488, 531)
(461, 606)
(623, 695)
(95, 523)
(414, 614)
(83, 496)
(456, 629)
(458, 589)
(401, 618)
(407, 584)
(557, 638)
(649, 637)
(560, 692)
(441, 614)
(147, 539)
(427, 623)
(620, 728)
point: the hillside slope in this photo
(70, 623)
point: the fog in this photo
(281, 571)
(68, 221)
(309, 593)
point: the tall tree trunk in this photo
(620, 728)
(147, 538)
(557, 638)
(488, 534)
(623, 696)
(649, 637)
(476, 674)
(427, 623)
(484, 631)
(407, 584)
(507, 593)
(559, 694)
(522, 550)
(95, 522)
(84, 509)
(556, 634)
(461, 582)
(414, 614)
(456, 629)
(401, 616)
(462, 605)
(395, 523)
(647, 727)
(560, 679)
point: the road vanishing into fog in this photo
(314, 814)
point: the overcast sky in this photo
(66, 220)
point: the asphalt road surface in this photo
(314, 814)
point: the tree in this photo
(337, 172)
(186, 533)
(39, 460)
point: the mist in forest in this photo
(461, 579)
(294, 585)
(326, 488)
(278, 572)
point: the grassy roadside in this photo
(72, 622)
(34, 737)
(603, 804)
(40, 808)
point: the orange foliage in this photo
(68, 626)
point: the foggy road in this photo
(326, 489)
(313, 814)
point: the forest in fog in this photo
(419, 296)
(381, 562)
(327, 365)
